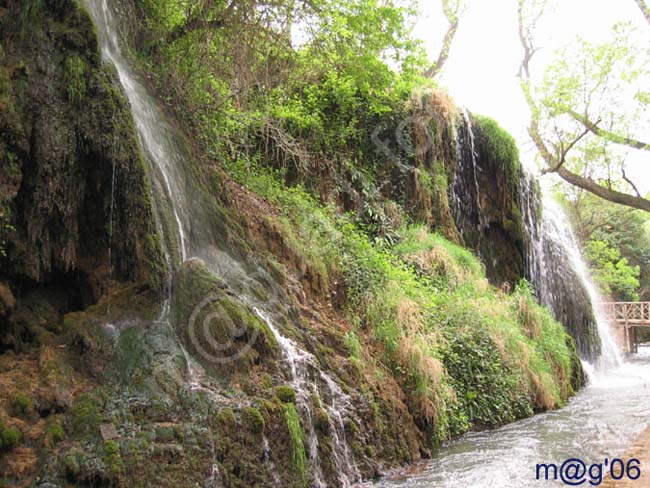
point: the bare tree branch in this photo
(564, 150)
(452, 10)
(611, 136)
(629, 182)
(645, 9)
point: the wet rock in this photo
(217, 328)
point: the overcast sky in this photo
(481, 70)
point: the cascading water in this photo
(156, 138)
(552, 259)
(175, 209)
(301, 364)
(465, 198)
(560, 276)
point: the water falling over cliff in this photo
(550, 256)
(559, 274)
(189, 230)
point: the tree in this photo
(588, 111)
(616, 240)
(453, 9)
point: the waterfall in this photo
(156, 138)
(561, 278)
(552, 260)
(301, 363)
(177, 202)
(465, 191)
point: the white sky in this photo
(482, 66)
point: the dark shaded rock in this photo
(7, 300)
(68, 146)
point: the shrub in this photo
(53, 431)
(9, 437)
(85, 415)
(20, 405)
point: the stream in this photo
(600, 422)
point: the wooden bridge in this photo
(628, 316)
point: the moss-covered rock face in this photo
(69, 156)
(216, 327)
(485, 189)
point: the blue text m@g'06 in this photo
(575, 472)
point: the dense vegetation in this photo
(327, 162)
(276, 115)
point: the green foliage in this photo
(616, 242)
(85, 415)
(112, 458)
(296, 436)
(253, 419)
(53, 431)
(462, 352)
(417, 297)
(487, 391)
(613, 273)
(587, 84)
(9, 437)
(75, 78)
(354, 346)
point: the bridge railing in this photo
(631, 313)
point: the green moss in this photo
(500, 146)
(20, 405)
(75, 78)
(253, 420)
(226, 418)
(286, 394)
(85, 415)
(296, 436)
(9, 437)
(198, 294)
(321, 420)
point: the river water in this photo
(600, 422)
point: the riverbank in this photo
(601, 422)
(640, 450)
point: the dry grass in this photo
(528, 317)
(427, 396)
(409, 316)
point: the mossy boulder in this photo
(252, 419)
(285, 394)
(217, 328)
